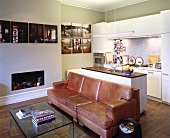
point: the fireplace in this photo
(27, 80)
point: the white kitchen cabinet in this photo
(119, 29)
(165, 88)
(154, 84)
(153, 25)
(165, 52)
(165, 18)
(165, 56)
(113, 27)
(125, 26)
(99, 28)
(138, 26)
(100, 42)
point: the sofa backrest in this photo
(75, 81)
(110, 92)
(90, 87)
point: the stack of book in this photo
(24, 112)
(42, 117)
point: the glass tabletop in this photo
(30, 130)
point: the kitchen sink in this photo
(117, 71)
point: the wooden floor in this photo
(155, 122)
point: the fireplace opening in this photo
(27, 80)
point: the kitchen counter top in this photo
(148, 68)
(106, 70)
(142, 68)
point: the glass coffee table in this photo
(29, 130)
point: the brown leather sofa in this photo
(97, 104)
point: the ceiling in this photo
(101, 5)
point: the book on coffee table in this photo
(24, 112)
(42, 117)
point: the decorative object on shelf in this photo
(114, 59)
(152, 59)
(118, 46)
(125, 59)
(139, 61)
(132, 60)
(108, 58)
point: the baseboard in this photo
(154, 98)
(15, 98)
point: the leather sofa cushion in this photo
(60, 85)
(96, 113)
(60, 94)
(90, 87)
(74, 101)
(110, 92)
(75, 81)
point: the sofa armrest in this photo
(120, 110)
(137, 98)
(60, 85)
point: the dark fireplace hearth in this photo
(27, 80)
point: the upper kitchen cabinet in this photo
(119, 29)
(165, 18)
(113, 27)
(125, 26)
(138, 26)
(99, 28)
(100, 42)
(153, 25)
(102, 45)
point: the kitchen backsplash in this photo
(142, 47)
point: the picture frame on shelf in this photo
(5, 31)
(50, 34)
(36, 33)
(19, 32)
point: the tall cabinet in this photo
(165, 55)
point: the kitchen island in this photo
(136, 80)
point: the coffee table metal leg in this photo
(71, 129)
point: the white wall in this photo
(16, 58)
(75, 61)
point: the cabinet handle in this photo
(150, 72)
(165, 74)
